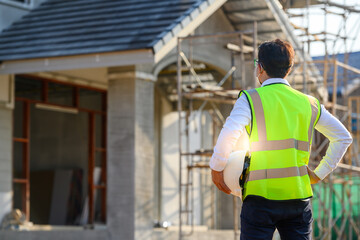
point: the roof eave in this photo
(121, 58)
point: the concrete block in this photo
(130, 156)
(5, 161)
(121, 158)
(144, 155)
(5, 203)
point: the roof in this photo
(65, 28)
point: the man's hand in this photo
(313, 178)
(218, 180)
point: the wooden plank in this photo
(212, 99)
(216, 35)
(197, 154)
(333, 4)
(325, 73)
(21, 140)
(198, 166)
(20, 180)
(349, 167)
(348, 67)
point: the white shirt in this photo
(240, 116)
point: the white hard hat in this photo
(233, 171)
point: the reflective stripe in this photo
(314, 111)
(263, 144)
(279, 145)
(259, 113)
(277, 173)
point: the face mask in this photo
(257, 76)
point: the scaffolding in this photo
(211, 95)
(336, 200)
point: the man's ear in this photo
(261, 69)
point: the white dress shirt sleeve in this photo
(234, 126)
(340, 139)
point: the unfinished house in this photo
(110, 110)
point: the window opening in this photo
(59, 134)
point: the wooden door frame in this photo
(25, 140)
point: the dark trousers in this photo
(260, 217)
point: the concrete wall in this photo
(211, 207)
(169, 165)
(130, 155)
(144, 158)
(200, 139)
(5, 161)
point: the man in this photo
(280, 123)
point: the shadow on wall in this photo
(200, 138)
(170, 166)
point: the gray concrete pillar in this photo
(130, 154)
(5, 161)
(6, 135)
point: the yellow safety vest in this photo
(281, 129)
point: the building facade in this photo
(89, 129)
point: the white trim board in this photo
(75, 62)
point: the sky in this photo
(335, 24)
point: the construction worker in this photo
(280, 122)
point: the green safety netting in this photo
(324, 199)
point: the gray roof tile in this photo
(72, 27)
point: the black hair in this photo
(276, 57)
